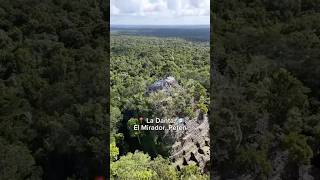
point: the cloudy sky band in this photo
(160, 12)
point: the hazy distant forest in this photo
(265, 89)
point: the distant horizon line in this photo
(162, 24)
(159, 25)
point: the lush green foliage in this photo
(53, 106)
(265, 86)
(191, 172)
(139, 165)
(136, 63)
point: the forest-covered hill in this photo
(265, 89)
(136, 63)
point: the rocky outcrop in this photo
(163, 84)
(192, 145)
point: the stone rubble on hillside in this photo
(163, 84)
(192, 145)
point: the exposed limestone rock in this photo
(192, 145)
(189, 145)
(163, 84)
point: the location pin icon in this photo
(141, 120)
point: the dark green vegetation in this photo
(265, 95)
(136, 63)
(53, 107)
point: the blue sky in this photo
(160, 12)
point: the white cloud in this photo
(160, 8)
(114, 10)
